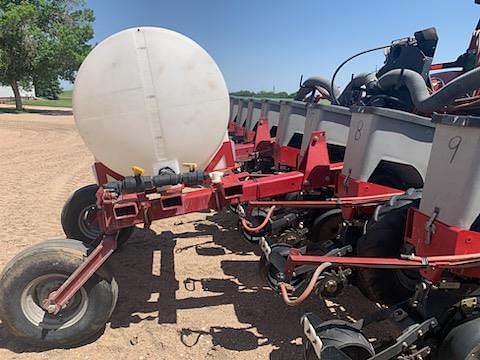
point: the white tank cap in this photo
(153, 98)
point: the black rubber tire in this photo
(384, 238)
(326, 226)
(53, 258)
(342, 336)
(73, 211)
(462, 342)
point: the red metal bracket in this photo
(315, 163)
(444, 240)
(244, 152)
(262, 143)
(231, 128)
(249, 135)
(225, 152)
(239, 131)
(286, 156)
(102, 172)
(57, 299)
(349, 187)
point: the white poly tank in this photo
(153, 98)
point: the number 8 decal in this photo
(358, 132)
(453, 145)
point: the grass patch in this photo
(64, 100)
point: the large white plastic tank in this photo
(153, 98)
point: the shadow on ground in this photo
(267, 320)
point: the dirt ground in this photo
(189, 287)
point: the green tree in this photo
(47, 88)
(263, 94)
(42, 41)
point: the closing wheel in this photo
(384, 238)
(338, 339)
(256, 218)
(33, 274)
(272, 270)
(462, 342)
(326, 226)
(79, 217)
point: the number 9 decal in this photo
(453, 145)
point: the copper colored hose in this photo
(262, 225)
(306, 293)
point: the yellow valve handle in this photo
(138, 171)
(191, 166)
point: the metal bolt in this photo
(51, 309)
(331, 286)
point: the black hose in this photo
(132, 184)
(356, 82)
(419, 93)
(310, 84)
(332, 83)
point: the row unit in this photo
(379, 142)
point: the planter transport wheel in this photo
(33, 274)
(79, 220)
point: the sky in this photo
(268, 44)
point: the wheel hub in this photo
(36, 308)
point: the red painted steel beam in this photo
(57, 299)
(452, 261)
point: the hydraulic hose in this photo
(419, 93)
(262, 225)
(410, 262)
(446, 258)
(308, 290)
